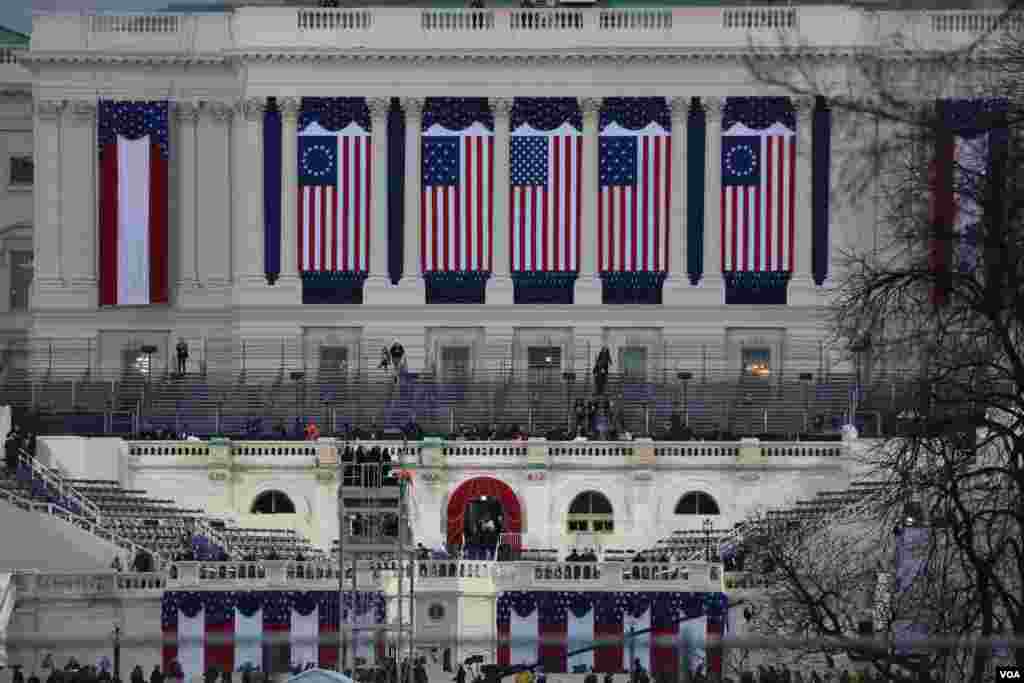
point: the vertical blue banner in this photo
(820, 185)
(696, 141)
(272, 192)
(396, 191)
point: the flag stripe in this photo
(133, 229)
(108, 225)
(248, 639)
(157, 247)
(334, 212)
(758, 228)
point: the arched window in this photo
(590, 511)
(697, 503)
(273, 503)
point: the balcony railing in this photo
(258, 28)
(435, 574)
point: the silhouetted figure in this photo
(182, 353)
(601, 367)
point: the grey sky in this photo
(17, 14)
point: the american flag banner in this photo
(635, 185)
(546, 157)
(275, 631)
(335, 165)
(758, 186)
(456, 209)
(133, 202)
(548, 627)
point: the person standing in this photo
(397, 353)
(182, 353)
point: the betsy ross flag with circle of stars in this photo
(556, 629)
(758, 196)
(275, 631)
(133, 188)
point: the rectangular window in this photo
(634, 361)
(333, 359)
(455, 361)
(756, 362)
(545, 362)
(21, 279)
(21, 171)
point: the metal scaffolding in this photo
(374, 533)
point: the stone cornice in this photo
(639, 55)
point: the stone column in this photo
(677, 282)
(802, 290)
(588, 286)
(213, 202)
(411, 250)
(289, 107)
(79, 157)
(187, 114)
(500, 290)
(48, 278)
(378, 284)
(711, 281)
(247, 200)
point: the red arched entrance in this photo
(477, 488)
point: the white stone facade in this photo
(218, 70)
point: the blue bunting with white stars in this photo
(334, 113)
(546, 113)
(132, 120)
(610, 607)
(277, 606)
(758, 112)
(457, 113)
(635, 113)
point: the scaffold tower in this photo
(374, 534)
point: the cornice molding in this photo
(523, 57)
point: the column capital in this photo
(82, 111)
(413, 106)
(378, 106)
(48, 110)
(680, 106)
(713, 106)
(251, 108)
(289, 107)
(590, 105)
(186, 111)
(218, 110)
(501, 106)
(803, 105)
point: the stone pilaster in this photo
(247, 200)
(186, 116)
(213, 202)
(289, 279)
(48, 279)
(711, 281)
(802, 290)
(411, 275)
(80, 237)
(677, 283)
(378, 286)
(588, 286)
(500, 290)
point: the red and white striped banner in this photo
(456, 209)
(335, 168)
(634, 206)
(758, 199)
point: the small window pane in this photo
(21, 171)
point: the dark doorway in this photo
(484, 522)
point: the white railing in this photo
(396, 28)
(53, 510)
(335, 19)
(437, 574)
(56, 481)
(136, 23)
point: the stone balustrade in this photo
(432, 574)
(266, 29)
(536, 452)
